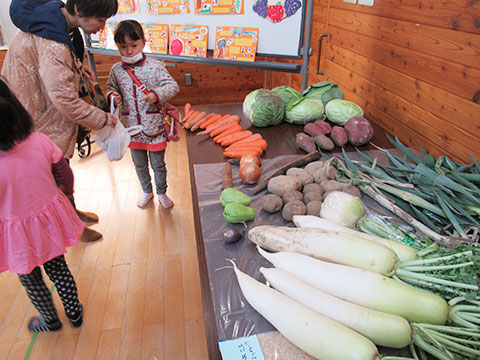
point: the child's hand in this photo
(117, 99)
(151, 98)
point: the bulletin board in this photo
(276, 39)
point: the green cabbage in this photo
(340, 111)
(325, 91)
(263, 108)
(304, 110)
(287, 93)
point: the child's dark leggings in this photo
(40, 296)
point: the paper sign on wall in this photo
(188, 40)
(218, 7)
(156, 36)
(236, 43)
(105, 36)
(276, 10)
(128, 6)
(168, 6)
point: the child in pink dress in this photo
(37, 220)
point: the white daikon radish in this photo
(382, 328)
(363, 287)
(334, 246)
(404, 252)
(315, 334)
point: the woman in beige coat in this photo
(43, 66)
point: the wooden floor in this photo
(140, 285)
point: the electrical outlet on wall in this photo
(366, 2)
(188, 79)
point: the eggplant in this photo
(231, 235)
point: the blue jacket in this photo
(45, 19)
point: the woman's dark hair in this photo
(15, 122)
(130, 28)
(93, 8)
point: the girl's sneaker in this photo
(144, 200)
(38, 324)
(165, 201)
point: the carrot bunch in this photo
(226, 131)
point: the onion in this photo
(249, 158)
(249, 173)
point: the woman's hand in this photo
(151, 98)
(117, 98)
(111, 120)
(89, 74)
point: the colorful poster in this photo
(218, 7)
(105, 36)
(128, 6)
(276, 10)
(156, 36)
(188, 40)
(168, 6)
(236, 43)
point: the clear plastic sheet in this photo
(234, 317)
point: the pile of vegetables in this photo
(439, 197)
(303, 191)
(226, 131)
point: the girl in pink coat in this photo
(37, 220)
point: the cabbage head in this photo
(304, 110)
(324, 90)
(263, 108)
(340, 111)
(287, 93)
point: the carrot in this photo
(260, 143)
(191, 114)
(220, 122)
(249, 147)
(195, 119)
(197, 124)
(227, 181)
(187, 109)
(214, 120)
(237, 154)
(252, 138)
(230, 139)
(233, 129)
(222, 127)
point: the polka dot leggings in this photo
(39, 294)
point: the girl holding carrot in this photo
(150, 143)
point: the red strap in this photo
(137, 82)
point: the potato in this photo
(292, 195)
(313, 129)
(282, 183)
(313, 207)
(324, 125)
(293, 208)
(338, 136)
(310, 196)
(324, 142)
(319, 175)
(314, 187)
(332, 185)
(352, 190)
(272, 203)
(331, 172)
(305, 142)
(359, 130)
(301, 174)
(313, 166)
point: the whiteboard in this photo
(281, 39)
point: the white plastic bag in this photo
(114, 141)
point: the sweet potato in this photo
(227, 181)
(338, 136)
(313, 129)
(324, 125)
(305, 142)
(359, 130)
(324, 142)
